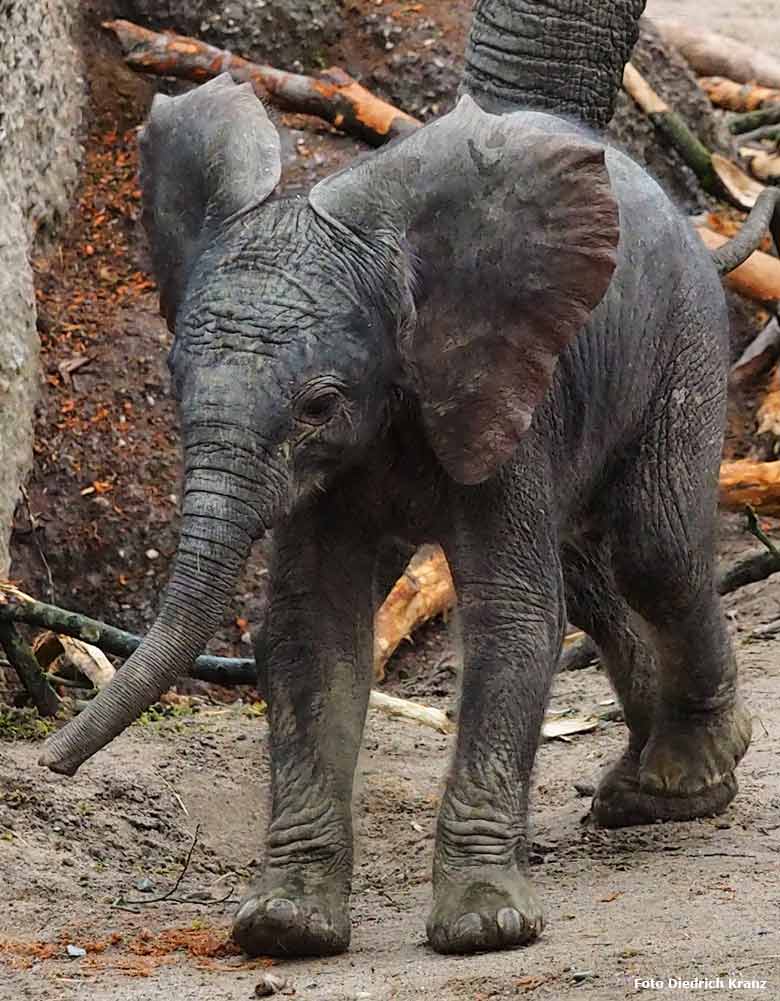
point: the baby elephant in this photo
(498, 334)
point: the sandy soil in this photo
(695, 899)
(698, 899)
(756, 22)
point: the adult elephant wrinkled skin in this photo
(498, 334)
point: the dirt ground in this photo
(690, 900)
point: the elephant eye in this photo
(319, 408)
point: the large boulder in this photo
(291, 34)
(41, 99)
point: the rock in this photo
(270, 983)
(76, 952)
(41, 99)
(144, 885)
(580, 976)
(290, 34)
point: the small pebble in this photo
(76, 952)
(581, 975)
(152, 554)
(584, 788)
(144, 885)
(270, 983)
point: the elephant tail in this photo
(764, 215)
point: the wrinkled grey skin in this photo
(495, 334)
(564, 56)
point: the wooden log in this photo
(758, 278)
(744, 482)
(424, 591)
(717, 175)
(672, 127)
(709, 53)
(333, 95)
(764, 166)
(733, 96)
(16, 606)
(768, 414)
(753, 121)
(33, 679)
(758, 356)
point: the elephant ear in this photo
(512, 230)
(206, 157)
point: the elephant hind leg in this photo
(663, 531)
(595, 605)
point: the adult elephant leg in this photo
(505, 564)
(318, 650)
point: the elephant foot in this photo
(281, 917)
(494, 909)
(621, 799)
(689, 756)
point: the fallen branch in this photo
(764, 166)
(709, 53)
(16, 606)
(768, 414)
(424, 591)
(753, 120)
(33, 679)
(333, 95)
(744, 482)
(404, 709)
(758, 278)
(672, 127)
(717, 175)
(734, 96)
(757, 357)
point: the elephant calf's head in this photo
(457, 263)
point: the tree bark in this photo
(333, 95)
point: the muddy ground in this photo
(698, 899)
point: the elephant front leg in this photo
(317, 645)
(510, 601)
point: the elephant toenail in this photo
(246, 910)
(510, 922)
(281, 910)
(467, 927)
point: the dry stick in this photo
(22, 659)
(333, 95)
(34, 526)
(120, 903)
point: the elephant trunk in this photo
(218, 527)
(561, 56)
